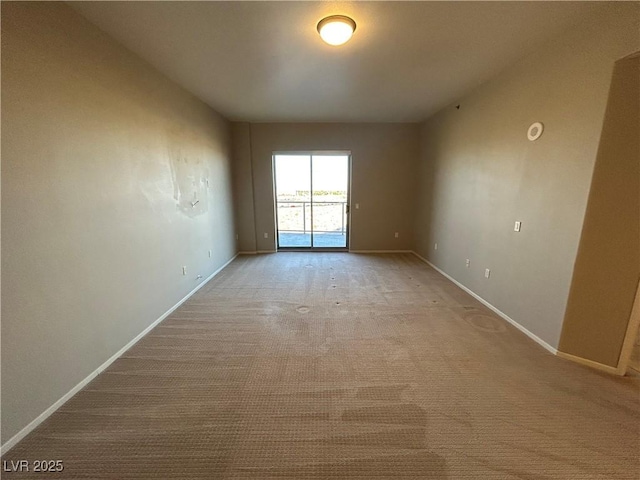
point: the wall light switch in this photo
(468, 262)
(517, 226)
(266, 235)
(397, 234)
(210, 252)
(435, 246)
(487, 273)
(184, 270)
(357, 206)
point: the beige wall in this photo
(383, 178)
(101, 158)
(479, 173)
(607, 266)
(243, 186)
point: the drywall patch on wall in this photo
(190, 185)
(190, 176)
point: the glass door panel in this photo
(329, 195)
(293, 200)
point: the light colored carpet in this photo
(341, 366)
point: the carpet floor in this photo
(340, 366)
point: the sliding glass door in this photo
(312, 194)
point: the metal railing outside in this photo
(316, 205)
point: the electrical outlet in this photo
(517, 226)
(435, 246)
(468, 263)
(487, 273)
(266, 235)
(397, 234)
(184, 270)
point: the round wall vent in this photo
(535, 130)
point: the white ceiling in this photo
(264, 61)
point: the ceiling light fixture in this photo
(336, 29)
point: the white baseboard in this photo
(630, 336)
(44, 415)
(257, 252)
(327, 250)
(590, 363)
(506, 317)
(381, 251)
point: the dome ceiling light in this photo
(336, 29)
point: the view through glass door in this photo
(312, 192)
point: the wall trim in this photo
(9, 444)
(380, 251)
(506, 317)
(590, 363)
(630, 335)
(255, 252)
